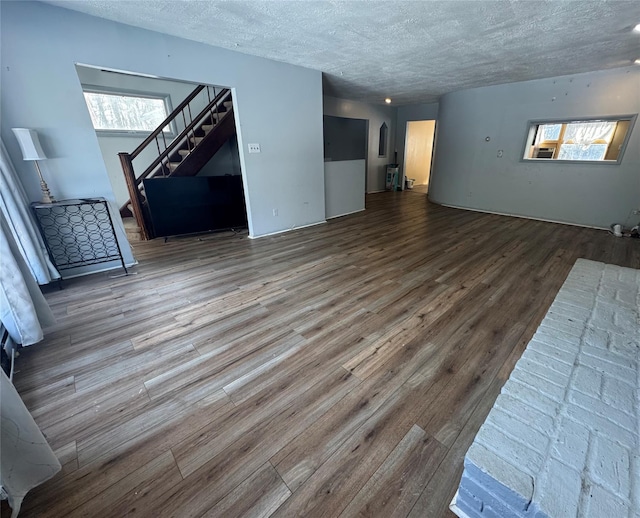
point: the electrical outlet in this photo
(275, 212)
(254, 148)
(500, 153)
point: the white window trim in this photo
(132, 93)
(531, 129)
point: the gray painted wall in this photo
(376, 115)
(276, 105)
(467, 172)
(412, 112)
(344, 187)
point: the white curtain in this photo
(20, 223)
(23, 309)
(587, 133)
(26, 460)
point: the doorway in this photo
(184, 162)
(418, 153)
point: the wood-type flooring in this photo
(334, 371)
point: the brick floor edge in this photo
(562, 439)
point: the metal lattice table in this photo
(78, 232)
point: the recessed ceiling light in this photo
(637, 28)
(637, 61)
(387, 100)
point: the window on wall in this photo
(589, 140)
(125, 112)
(382, 146)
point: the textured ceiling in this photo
(411, 51)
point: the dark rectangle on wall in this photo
(344, 139)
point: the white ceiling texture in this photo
(411, 51)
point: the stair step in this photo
(184, 152)
(173, 166)
(228, 104)
(207, 127)
(196, 140)
(132, 230)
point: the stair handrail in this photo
(196, 120)
(167, 121)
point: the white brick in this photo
(538, 383)
(520, 431)
(610, 364)
(604, 504)
(480, 462)
(609, 465)
(547, 363)
(579, 301)
(625, 318)
(490, 513)
(526, 459)
(546, 372)
(624, 345)
(566, 328)
(471, 501)
(561, 490)
(570, 408)
(525, 413)
(578, 314)
(594, 337)
(548, 339)
(531, 396)
(572, 444)
(594, 406)
(587, 380)
(554, 317)
(558, 334)
(601, 425)
(619, 395)
(551, 352)
(627, 296)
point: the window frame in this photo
(123, 92)
(533, 124)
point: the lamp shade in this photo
(29, 144)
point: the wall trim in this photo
(277, 232)
(520, 216)
(347, 213)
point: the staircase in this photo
(185, 155)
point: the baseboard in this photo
(347, 213)
(519, 216)
(288, 230)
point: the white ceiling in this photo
(411, 51)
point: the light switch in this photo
(254, 148)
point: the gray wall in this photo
(412, 112)
(276, 105)
(376, 115)
(344, 187)
(467, 172)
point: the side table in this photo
(78, 232)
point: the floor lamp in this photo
(32, 150)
